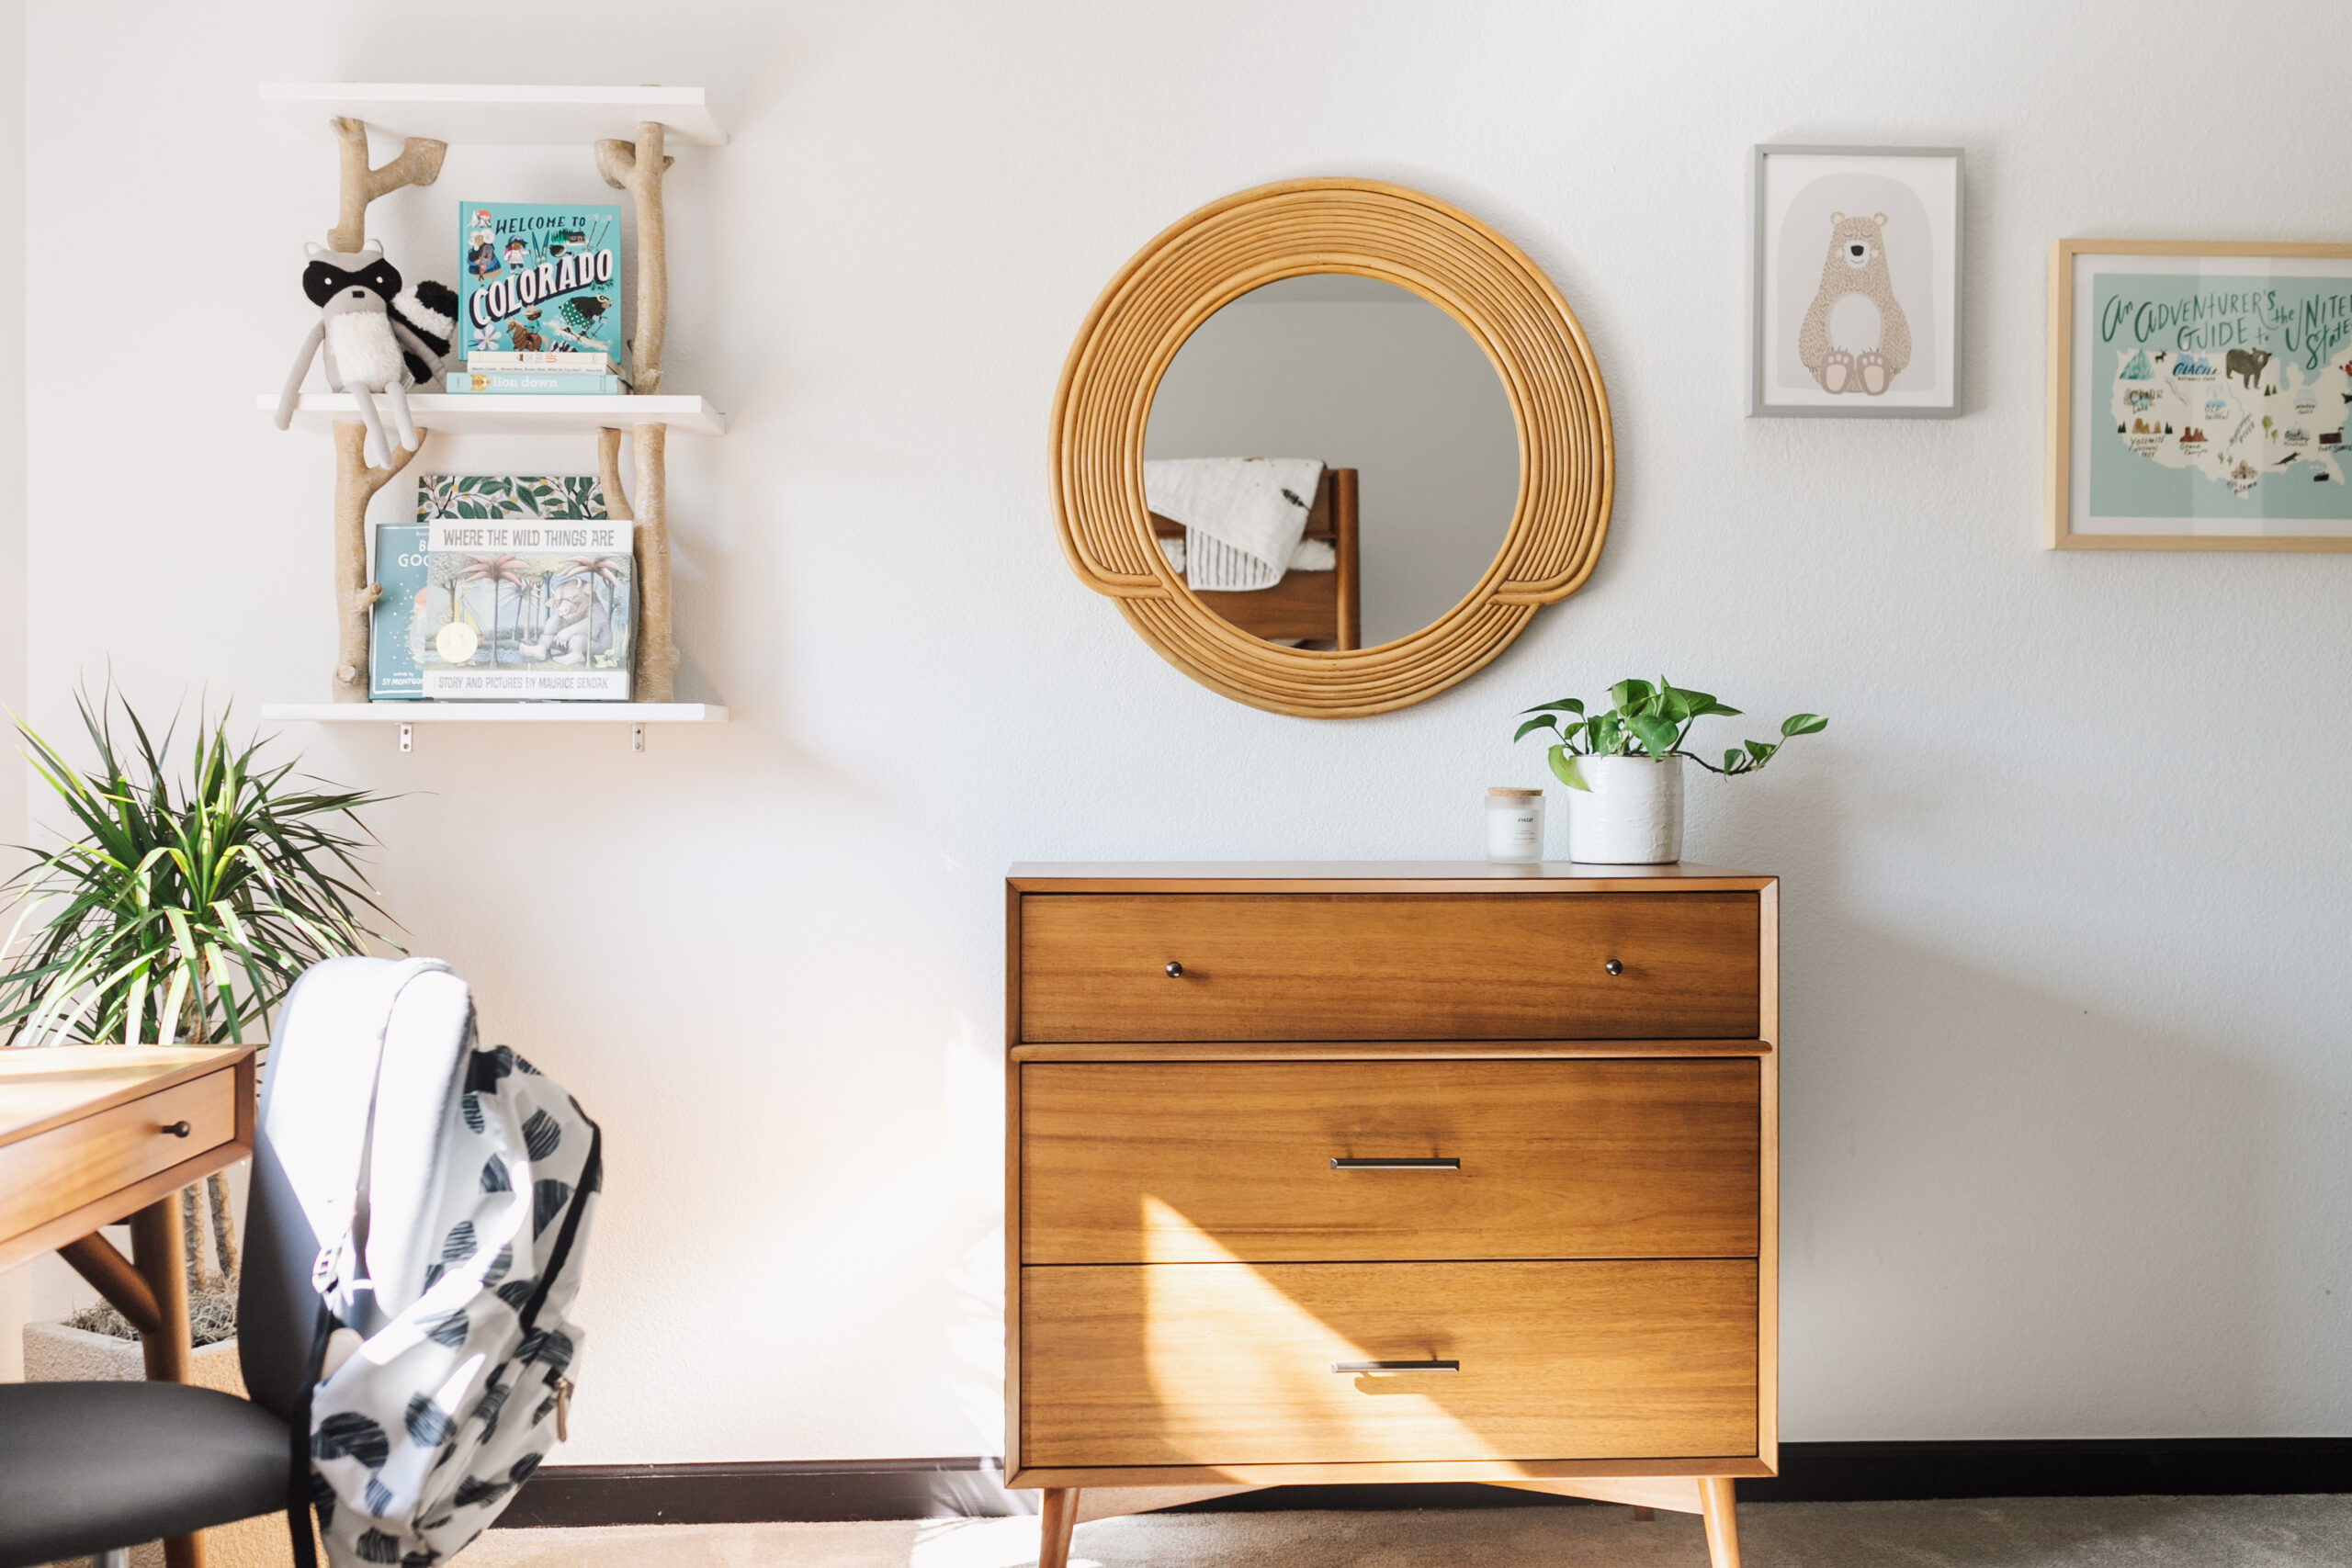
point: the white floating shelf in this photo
(465, 111)
(496, 713)
(510, 413)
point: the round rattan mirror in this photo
(1311, 231)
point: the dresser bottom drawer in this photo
(1218, 1363)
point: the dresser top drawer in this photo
(1287, 965)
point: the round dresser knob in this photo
(1175, 971)
(1615, 967)
(176, 1129)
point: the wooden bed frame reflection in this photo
(1324, 607)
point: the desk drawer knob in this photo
(1175, 970)
(176, 1129)
(1615, 967)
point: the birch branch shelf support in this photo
(636, 167)
(356, 482)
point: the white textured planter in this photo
(1632, 814)
(57, 1353)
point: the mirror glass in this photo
(1331, 462)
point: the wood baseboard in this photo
(826, 1491)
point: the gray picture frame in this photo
(1758, 405)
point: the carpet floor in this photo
(2035, 1532)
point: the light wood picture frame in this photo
(1568, 461)
(2224, 368)
(1855, 283)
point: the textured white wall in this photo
(2067, 1093)
(15, 1285)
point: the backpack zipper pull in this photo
(562, 1409)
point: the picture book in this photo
(582, 362)
(542, 381)
(527, 592)
(396, 626)
(540, 280)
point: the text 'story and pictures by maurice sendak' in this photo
(538, 300)
(505, 588)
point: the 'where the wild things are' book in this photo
(505, 588)
(538, 279)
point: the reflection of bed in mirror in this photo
(1311, 607)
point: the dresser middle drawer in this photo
(1196, 1162)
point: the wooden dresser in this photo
(1390, 1172)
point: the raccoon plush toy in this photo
(377, 337)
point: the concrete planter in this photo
(57, 1353)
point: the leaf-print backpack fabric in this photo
(452, 1232)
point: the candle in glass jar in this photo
(1515, 826)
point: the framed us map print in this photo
(2198, 394)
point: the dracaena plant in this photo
(1643, 721)
(178, 910)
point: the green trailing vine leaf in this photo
(1645, 720)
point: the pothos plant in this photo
(1643, 721)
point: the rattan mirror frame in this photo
(1567, 454)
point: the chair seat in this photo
(85, 1467)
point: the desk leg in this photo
(155, 1252)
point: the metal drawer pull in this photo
(1615, 967)
(1443, 1162)
(1175, 971)
(1376, 1367)
(176, 1129)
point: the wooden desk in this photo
(94, 1134)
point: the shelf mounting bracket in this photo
(637, 738)
(407, 741)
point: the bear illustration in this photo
(1856, 264)
(2247, 363)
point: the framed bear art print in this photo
(1855, 310)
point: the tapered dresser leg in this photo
(1723, 1530)
(1060, 1519)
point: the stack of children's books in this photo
(506, 588)
(540, 299)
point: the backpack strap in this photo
(348, 1250)
(591, 1179)
(298, 1477)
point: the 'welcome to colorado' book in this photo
(538, 279)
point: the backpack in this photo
(450, 1255)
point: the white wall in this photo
(16, 1284)
(2067, 1096)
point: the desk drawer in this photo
(1200, 1363)
(57, 1171)
(1389, 967)
(1176, 1162)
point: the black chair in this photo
(91, 1469)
